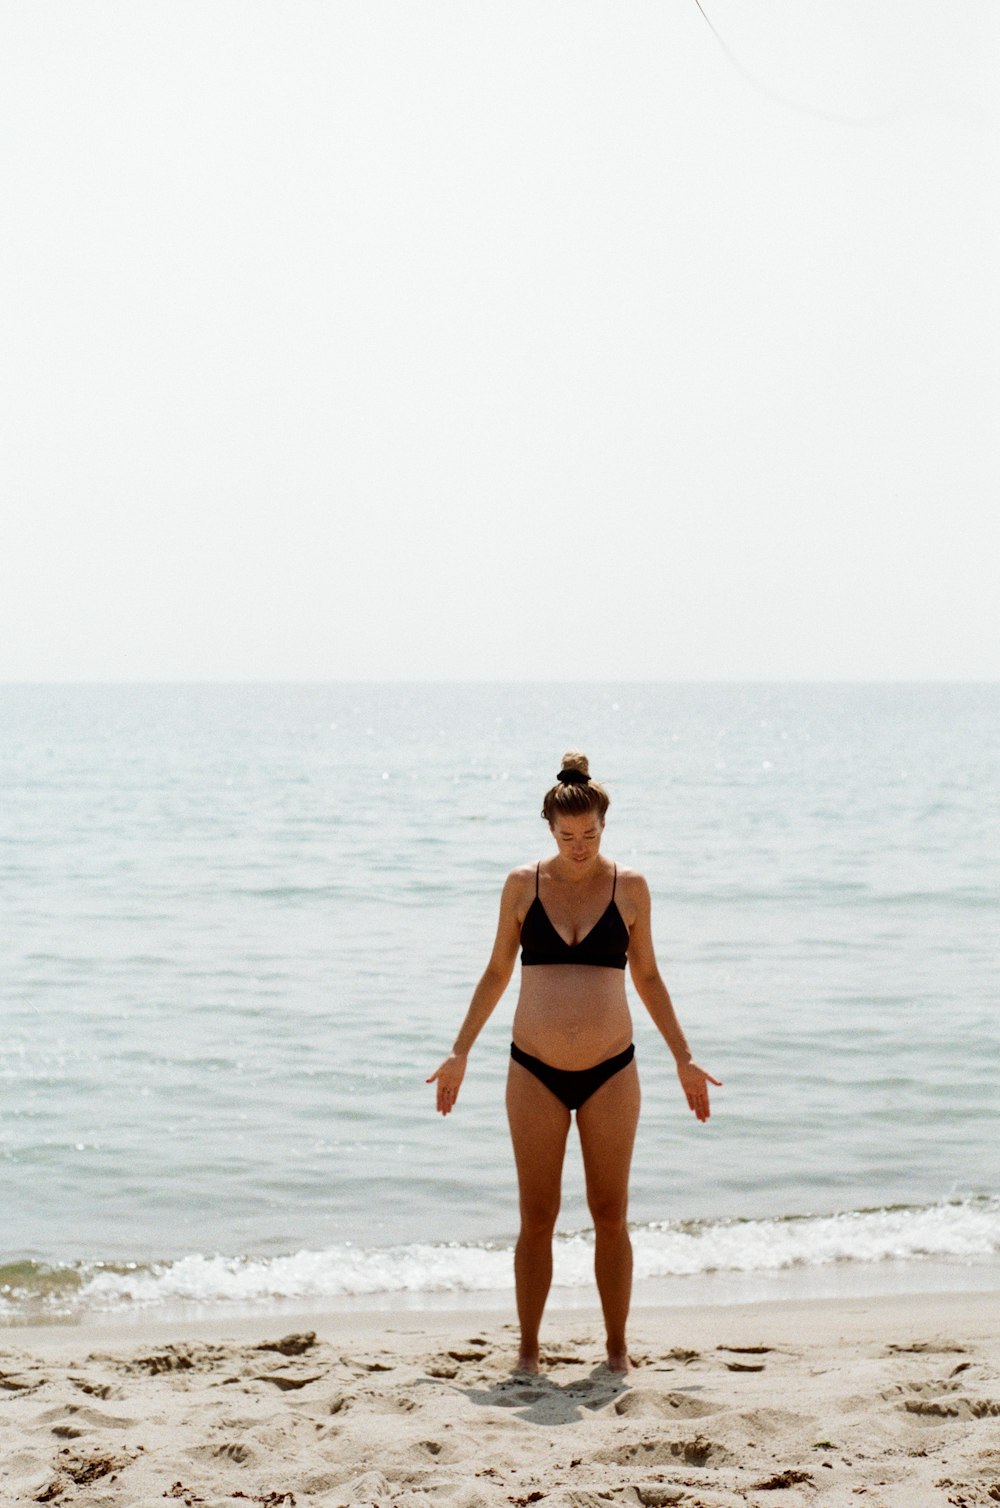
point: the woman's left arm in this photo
(656, 998)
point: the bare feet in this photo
(528, 1361)
(618, 1361)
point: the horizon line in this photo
(208, 681)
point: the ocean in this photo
(241, 924)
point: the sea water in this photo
(241, 925)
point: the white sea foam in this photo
(957, 1233)
(964, 1231)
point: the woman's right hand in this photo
(449, 1080)
(695, 1082)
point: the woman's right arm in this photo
(486, 995)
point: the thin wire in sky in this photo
(783, 99)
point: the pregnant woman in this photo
(577, 918)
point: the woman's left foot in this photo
(618, 1362)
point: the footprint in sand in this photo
(166, 1361)
(103, 1390)
(656, 1451)
(929, 1389)
(402, 1403)
(522, 1392)
(370, 1487)
(233, 1450)
(643, 1405)
(953, 1408)
(85, 1469)
(376, 1403)
(79, 1417)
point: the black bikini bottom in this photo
(573, 1085)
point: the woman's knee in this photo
(538, 1217)
(609, 1212)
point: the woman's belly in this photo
(572, 1015)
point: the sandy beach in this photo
(888, 1402)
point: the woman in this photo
(577, 917)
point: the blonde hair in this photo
(574, 793)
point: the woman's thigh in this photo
(607, 1122)
(539, 1123)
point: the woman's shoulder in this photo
(520, 879)
(519, 891)
(630, 882)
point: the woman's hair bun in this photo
(576, 761)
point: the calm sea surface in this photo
(240, 925)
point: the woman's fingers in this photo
(447, 1097)
(695, 1082)
(698, 1101)
(448, 1085)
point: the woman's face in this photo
(578, 838)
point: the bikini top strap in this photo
(537, 868)
(614, 882)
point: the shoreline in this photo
(880, 1399)
(836, 1282)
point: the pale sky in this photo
(500, 339)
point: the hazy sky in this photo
(500, 338)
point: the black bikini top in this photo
(605, 945)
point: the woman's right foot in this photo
(529, 1361)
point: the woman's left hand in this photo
(695, 1082)
(449, 1080)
